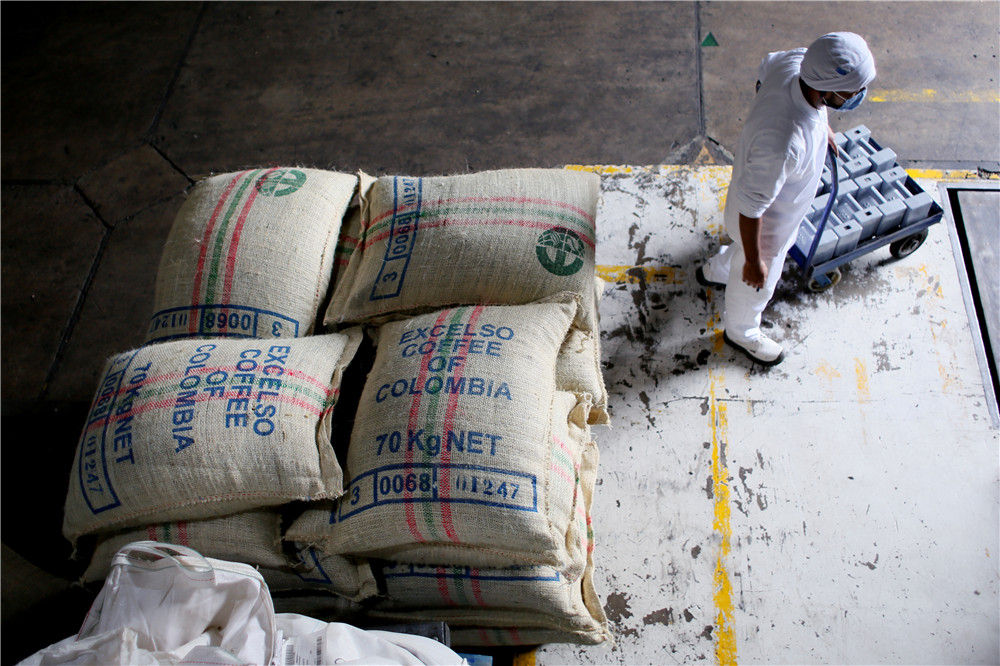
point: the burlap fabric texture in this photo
(324, 572)
(251, 254)
(253, 537)
(195, 429)
(497, 237)
(452, 457)
(508, 600)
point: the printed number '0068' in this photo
(485, 486)
(396, 484)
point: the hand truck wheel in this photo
(907, 246)
(818, 285)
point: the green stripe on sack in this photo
(221, 239)
(458, 584)
(557, 454)
(430, 416)
(288, 390)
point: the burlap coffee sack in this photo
(497, 237)
(532, 596)
(253, 537)
(251, 255)
(451, 456)
(195, 429)
(526, 636)
(325, 572)
(578, 369)
(350, 231)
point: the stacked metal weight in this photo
(874, 197)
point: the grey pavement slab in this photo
(83, 82)
(937, 71)
(47, 255)
(119, 303)
(131, 183)
(434, 87)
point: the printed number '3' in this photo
(276, 329)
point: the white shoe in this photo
(761, 349)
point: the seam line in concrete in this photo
(701, 83)
(92, 205)
(173, 165)
(35, 182)
(177, 73)
(75, 315)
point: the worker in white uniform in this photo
(776, 171)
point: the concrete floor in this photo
(859, 479)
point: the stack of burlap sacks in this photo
(462, 492)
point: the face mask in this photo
(852, 103)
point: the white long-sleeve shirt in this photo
(780, 154)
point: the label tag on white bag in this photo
(304, 650)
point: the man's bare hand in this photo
(755, 273)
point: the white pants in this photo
(744, 304)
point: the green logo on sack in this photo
(560, 251)
(281, 182)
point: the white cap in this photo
(839, 61)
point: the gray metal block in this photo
(848, 234)
(869, 219)
(883, 160)
(803, 239)
(827, 245)
(869, 198)
(819, 203)
(866, 182)
(859, 133)
(857, 166)
(892, 214)
(917, 207)
(897, 192)
(846, 207)
(825, 181)
(890, 177)
(846, 188)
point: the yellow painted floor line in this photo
(931, 95)
(633, 274)
(950, 174)
(665, 169)
(725, 634)
(524, 659)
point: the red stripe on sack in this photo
(328, 390)
(201, 397)
(477, 592)
(449, 419)
(561, 472)
(562, 445)
(203, 252)
(411, 518)
(182, 533)
(429, 205)
(515, 636)
(151, 532)
(442, 580)
(485, 638)
(234, 244)
(531, 224)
